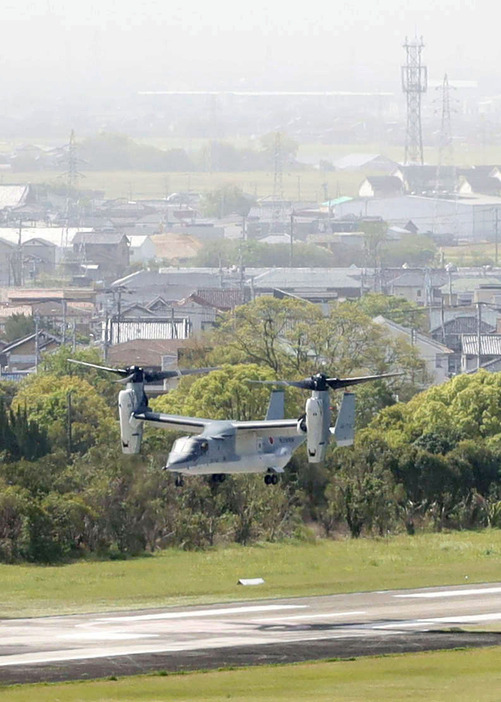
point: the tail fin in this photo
(276, 408)
(344, 431)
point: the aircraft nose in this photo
(175, 462)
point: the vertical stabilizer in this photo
(344, 431)
(276, 405)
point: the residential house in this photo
(176, 247)
(7, 250)
(474, 354)
(359, 162)
(39, 257)
(478, 183)
(320, 285)
(110, 250)
(142, 249)
(421, 286)
(381, 186)
(21, 354)
(12, 196)
(451, 333)
(434, 354)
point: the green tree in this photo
(227, 253)
(397, 309)
(223, 394)
(375, 238)
(414, 250)
(18, 326)
(64, 404)
(466, 407)
(57, 364)
(226, 200)
(270, 332)
(20, 436)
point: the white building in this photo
(434, 354)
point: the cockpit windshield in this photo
(190, 448)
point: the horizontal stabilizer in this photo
(344, 431)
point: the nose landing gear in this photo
(218, 477)
(179, 481)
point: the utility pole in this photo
(496, 234)
(414, 84)
(173, 324)
(292, 240)
(119, 313)
(68, 424)
(63, 335)
(37, 341)
(479, 333)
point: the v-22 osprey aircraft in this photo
(222, 447)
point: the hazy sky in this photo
(120, 45)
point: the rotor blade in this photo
(120, 371)
(338, 383)
(306, 384)
(152, 376)
(127, 379)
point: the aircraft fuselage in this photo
(219, 450)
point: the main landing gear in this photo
(271, 479)
(218, 477)
(179, 481)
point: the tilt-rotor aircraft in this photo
(222, 447)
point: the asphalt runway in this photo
(247, 633)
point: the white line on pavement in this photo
(466, 619)
(451, 593)
(199, 613)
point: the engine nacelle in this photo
(317, 427)
(131, 429)
(301, 424)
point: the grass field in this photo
(471, 254)
(458, 676)
(307, 184)
(176, 577)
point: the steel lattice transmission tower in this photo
(278, 171)
(414, 84)
(446, 172)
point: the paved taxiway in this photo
(31, 648)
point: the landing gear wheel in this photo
(268, 479)
(274, 479)
(218, 477)
(179, 481)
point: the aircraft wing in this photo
(175, 422)
(287, 427)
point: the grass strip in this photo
(472, 675)
(289, 569)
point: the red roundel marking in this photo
(271, 439)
